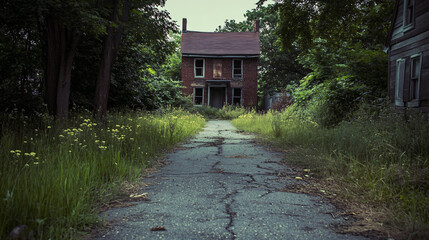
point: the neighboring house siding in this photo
(248, 83)
(406, 44)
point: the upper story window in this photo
(237, 68)
(217, 70)
(408, 19)
(199, 67)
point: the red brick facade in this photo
(247, 84)
(220, 68)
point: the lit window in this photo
(236, 96)
(217, 70)
(198, 96)
(237, 69)
(199, 67)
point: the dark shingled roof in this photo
(220, 43)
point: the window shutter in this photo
(399, 84)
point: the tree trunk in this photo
(61, 47)
(110, 50)
(68, 50)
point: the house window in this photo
(399, 83)
(237, 68)
(415, 62)
(199, 68)
(198, 96)
(408, 21)
(236, 96)
(217, 70)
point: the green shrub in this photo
(384, 159)
(227, 112)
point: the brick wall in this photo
(248, 83)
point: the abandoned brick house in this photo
(220, 68)
(408, 48)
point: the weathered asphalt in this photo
(222, 185)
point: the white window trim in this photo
(193, 97)
(242, 70)
(399, 86)
(410, 26)
(415, 102)
(195, 68)
(241, 96)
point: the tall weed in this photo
(384, 158)
(53, 175)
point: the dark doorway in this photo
(217, 97)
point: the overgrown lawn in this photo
(54, 175)
(384, 160)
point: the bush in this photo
(227, 112)
(382, 159)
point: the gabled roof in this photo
(220, 43)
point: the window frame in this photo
(194, 96)
(241, 69)
(203, 67)
(408, 26)
(399, 82)
(234, 97)
(215, 64)
(415, 91)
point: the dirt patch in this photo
(362, 219)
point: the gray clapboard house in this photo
(408, 49)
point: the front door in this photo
(217, 97)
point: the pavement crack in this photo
(229, 200)
(252, 179)
(231, 215)
(215, 165)
(265, 194)
(259, 166)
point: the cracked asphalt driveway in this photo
(222, 185)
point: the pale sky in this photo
(207, 15)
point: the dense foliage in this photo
(31, 45)
(341, 44)
(277, 68)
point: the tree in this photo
(341, 43)
(20, 58)
(277, 67)
(143, 12)
(111, 46)
(63, 23)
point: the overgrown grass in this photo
(53, 175)
(383, 160)
(227, 112)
